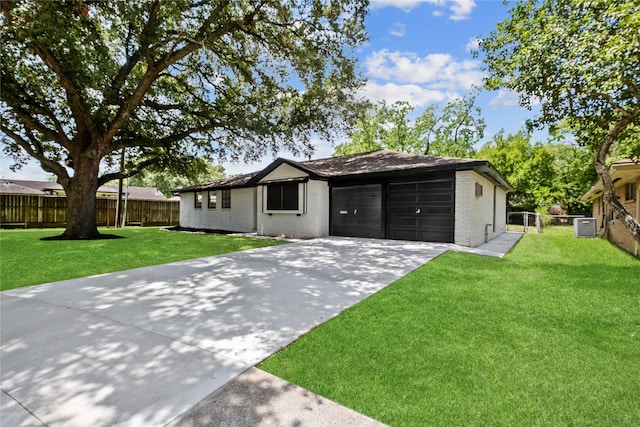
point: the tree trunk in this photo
(609, 197)
(81, 200)
(609, 191)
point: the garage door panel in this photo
(403, 199)
(356, 211)
(437, 210)
(426, 214)
(401, 211)
(404, 222)
(404, 234)
(435, 198)
(436, 222)
(406, 187)
(433, 236)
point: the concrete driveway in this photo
(140, 347)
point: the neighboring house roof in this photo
(44, 188)
(622, 172)
(371, 164)
(8, 187)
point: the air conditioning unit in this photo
(584, 227)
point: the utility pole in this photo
(119, 201)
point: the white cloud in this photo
(398, 30)
(505, 99)
(459, 9)
(413, 94)
(438, 70)
(473, 45)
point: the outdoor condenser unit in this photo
(584, 227)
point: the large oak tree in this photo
(169, 81)
(581, 61)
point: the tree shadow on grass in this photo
(96, 237)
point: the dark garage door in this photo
(356, 211)
(421, 211)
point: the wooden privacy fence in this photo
(34, 211)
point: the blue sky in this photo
(419, 51)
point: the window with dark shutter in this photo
(282, 197)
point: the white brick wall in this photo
(313, 221)
(240, 218)
(474, 213)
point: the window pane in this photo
(630, 191)
(198, 200)
(274, 197)
(282, 197)
(226, 199)
(212, 199)
(290, 197)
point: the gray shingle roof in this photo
(45, 188)
(376, 162)
(354, 165)
(9, 187)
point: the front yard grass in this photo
(26, 260)
(547, 336)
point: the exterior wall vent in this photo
(584, 227)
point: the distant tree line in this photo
(543, 173)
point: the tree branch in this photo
(37, 153)
(609, 191)
(82, 117)
(161, 107)
(19, 96)
(148, 29)
(156, 67)
(128, 174)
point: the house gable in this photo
(283, 172)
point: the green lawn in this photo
(26, 260)
(547, 336)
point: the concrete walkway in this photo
(141, 347)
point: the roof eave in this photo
(278, 162)
(490, 172)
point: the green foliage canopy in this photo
(580, 60)
(170, 81)
(449, 132)
(383, 127)
(542, 174)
